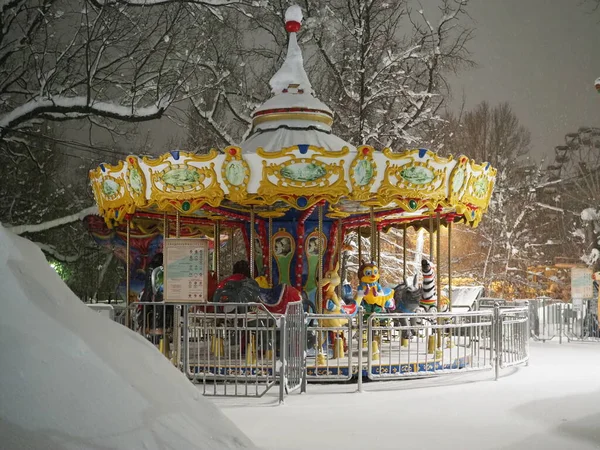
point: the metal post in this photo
(270, 251)
(438, 245)
(252, 232)
(359, 246)
(231, 245)
(303, 344)
(378, 239)
(496, 333)
(128, 280)
(218, 249)
(339, 255)
(450, 263)
(177, 310)
(282, 356)
(360, 351)
(438, 284)
(186, 342)
(431, 238)
(373, 237)
(404, 253)
(560, 321)
(320, 261)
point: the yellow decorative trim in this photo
(480, 185)
(112, 193)
(337, 214)
(288, 151)
(188, 157)
(233, 158)
(397, 182)
(292, 116)
(331, 186)
(361, 182)
(414, 153)
(272, 214)
(135, 175)
(459, 171)
(204, 189)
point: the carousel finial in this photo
(293, 19)
(291, 77)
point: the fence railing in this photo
(412, 345)
(329, 347)
(513, 337)
(293, 361)
(241, 349)
(555, 319)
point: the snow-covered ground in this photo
(554, 403)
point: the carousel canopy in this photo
(292, 162)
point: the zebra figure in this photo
(429, 298)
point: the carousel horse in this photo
(376, 298)
(240, 288)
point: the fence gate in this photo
(293, 369)
(512, 345)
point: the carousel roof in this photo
(293, 115)
(292, 161)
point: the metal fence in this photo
(239, 349)
(329, 347)
(512, 340)
(415, 345)
(293, 369)
(555, 319)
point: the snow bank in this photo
(72, 379)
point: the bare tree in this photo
(105, 62)
(98, 66)
(508, 240)
(382, 83)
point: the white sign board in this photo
(577, 304)
(186, 270)
(581, 283)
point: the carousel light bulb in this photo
(597, 84)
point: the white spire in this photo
(291, 76)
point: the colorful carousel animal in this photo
(240, 288)
(429, 297)
(370, 294)
(408, 301)
(333, 305)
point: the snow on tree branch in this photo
(79, 105)
(36, 228)
(51, 250)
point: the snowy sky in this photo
(542, 56)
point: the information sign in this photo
(186, 270)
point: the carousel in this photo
(284, 200)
